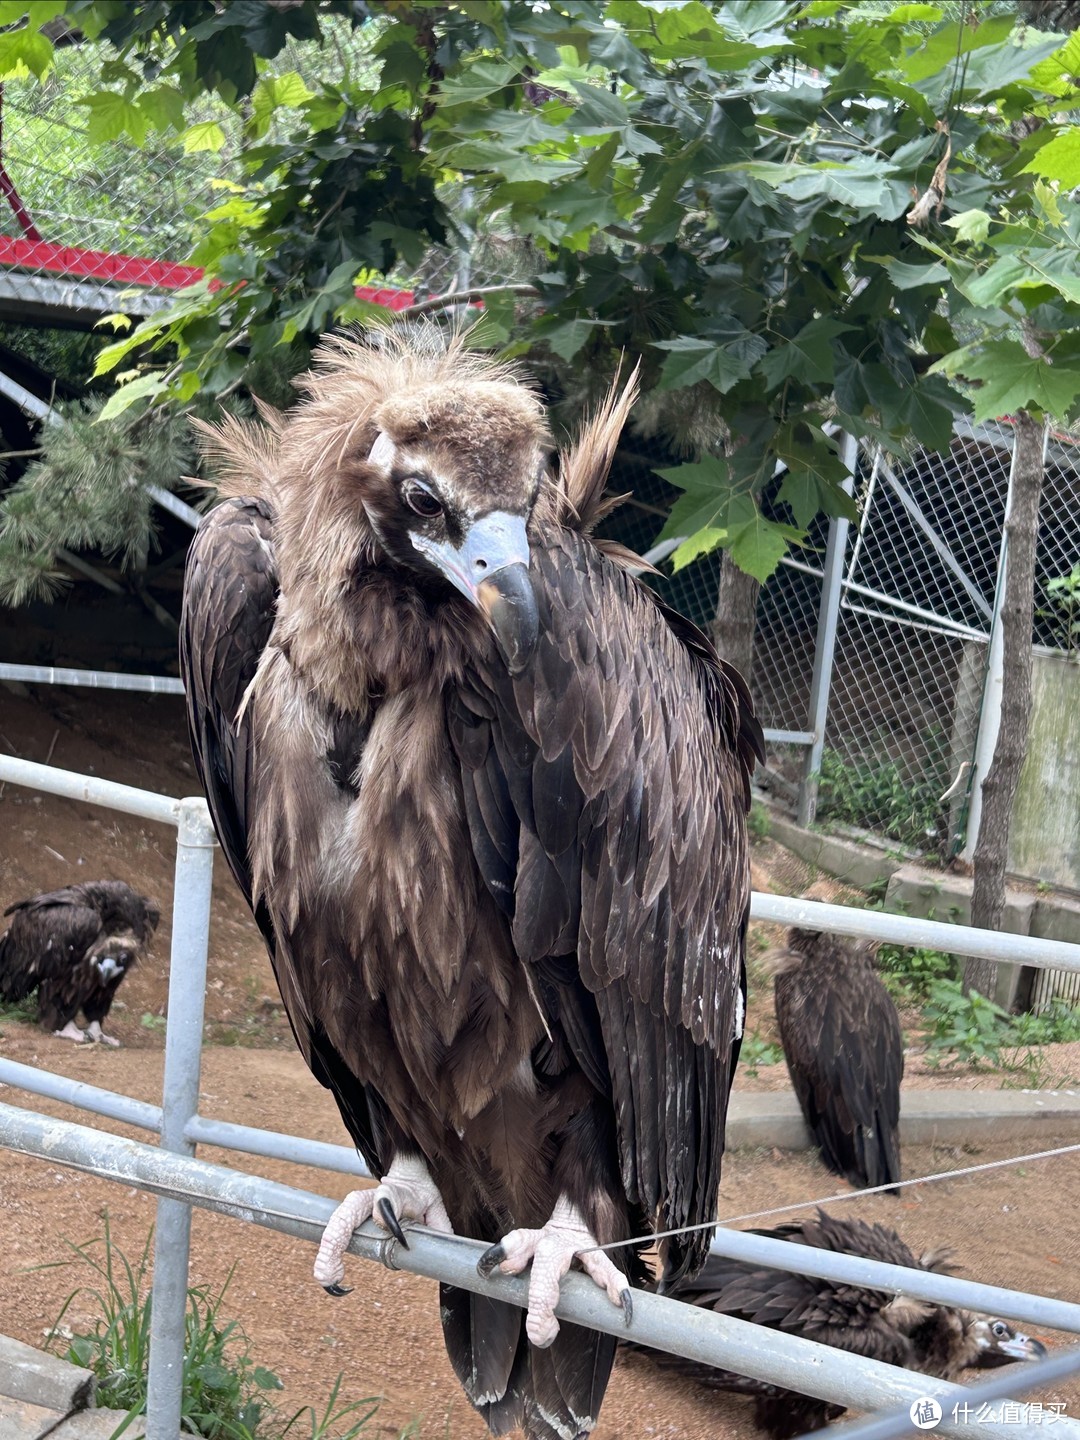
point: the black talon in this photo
(336, 1290)
(392, 1223)
(490, 1259)
(626, 1300)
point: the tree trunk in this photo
(1017, 619)
(736, 616)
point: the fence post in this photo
(183, 1053)
(825, 648)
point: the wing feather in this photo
(230, 593)
(624, 752)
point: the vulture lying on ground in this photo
(486, 796)
(934, 1339)
(844, 1050)
(74, 946)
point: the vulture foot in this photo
(95, 1032)
(405, 1193)
(551, 1250)
(71, 1031)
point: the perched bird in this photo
(917, 1334)
(486, 796)
(74, 946)
(844, 1050)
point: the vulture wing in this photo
(229, 599)
(604, 788)
(47, 935)
(845, 1051)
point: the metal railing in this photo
(180, 1181)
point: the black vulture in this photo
(844, 1050)
(486, 796)
(919, 1335)
(74, 946)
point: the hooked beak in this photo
(1023, 1347)
(491, 569)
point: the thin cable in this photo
(843, 1195)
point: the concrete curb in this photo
(1043, 1118)
(42, 1379)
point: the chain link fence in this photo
(916, 607)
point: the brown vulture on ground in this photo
(917, 1334)
(74, 946)
(844, 1050)
(486, 796)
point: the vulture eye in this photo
(1000, 1329)
(420, 500)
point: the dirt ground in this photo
(1011, 1227)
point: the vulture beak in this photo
(491, 568)
(1023, 1347)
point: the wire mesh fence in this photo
(917, 604)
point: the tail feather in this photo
(551, 1394)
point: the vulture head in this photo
(115, 956)
(434, 463)
(995, 1342)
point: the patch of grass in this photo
(758, 823)
(756, 1050)
(225, 1392)
(24, 1011)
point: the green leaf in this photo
(906, 276)
(1059, 159)
(476, 83)
(998, 281)
(1048, 200)
(704, 542)
(972, 226)
(152, 383)
(111, 116)
(37, 12)
(759, 546)
(266, 1379)
(692, 358)
(807, 357)
(25, 52)
(163, 107)
(1013, 380)
(707, 490)
(567, 338)
(862, 191)
(204, 135)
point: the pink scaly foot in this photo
(564, 1238)
(406, 1192)
(71, 1031)
(95, 1032)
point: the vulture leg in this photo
(71, 1031)
(95, 1032)
(563, 1239)
(406, 1192)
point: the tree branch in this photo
(457, 297)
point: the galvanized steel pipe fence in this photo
(170, 1171)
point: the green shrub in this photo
(877, 795)
(971, 1026)
(910, 972)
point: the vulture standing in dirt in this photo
(486, 796)
(844, 1050)
(74, 946)
(917, 1334)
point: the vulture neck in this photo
(376, 635)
